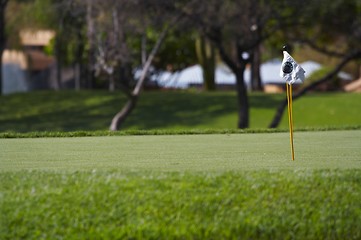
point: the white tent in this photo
(193, 75)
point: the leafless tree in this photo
(112, 26)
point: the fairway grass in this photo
(216, 186)
(214, 152)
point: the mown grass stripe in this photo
(204, 152)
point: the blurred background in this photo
(71, 65)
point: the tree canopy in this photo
(108, 39)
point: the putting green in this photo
(216, 152)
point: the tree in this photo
(237, 28)
(323, 32)
(255, 61)
(134, 94)
(3, 4)
(112, 27)
(120, 117)
(107, 35)
(69, 47)
(280, 110)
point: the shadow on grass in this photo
(93, 110)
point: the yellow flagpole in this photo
(290, 117)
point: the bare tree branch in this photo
(151, 56)
(120, 117)
(278, 116)
(318, 48)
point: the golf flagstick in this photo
(290, 72)
(290, 117)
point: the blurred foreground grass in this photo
(306, 204)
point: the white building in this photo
(28, 69)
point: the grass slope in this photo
(185, 186)
(93, 110)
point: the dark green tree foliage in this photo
(237, 28)
(70, 40)
(332, 28)
(176, 53)
(65, 17)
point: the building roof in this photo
(36, 38)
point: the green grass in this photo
(103, 133)
(213, 152)
(215, 186)
(207, 180)
(93, 110)
(236, 205)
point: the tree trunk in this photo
(58, 54)
(91, 37)
(242, 97)
(3, 4)
(78, 60)
(77, 71)
(120, 117)
(279, 112)
(144, 49)
(125, 75)
(206, 58)
(237, 68)
(256, 83)
(111, 83)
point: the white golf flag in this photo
(290, 70)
